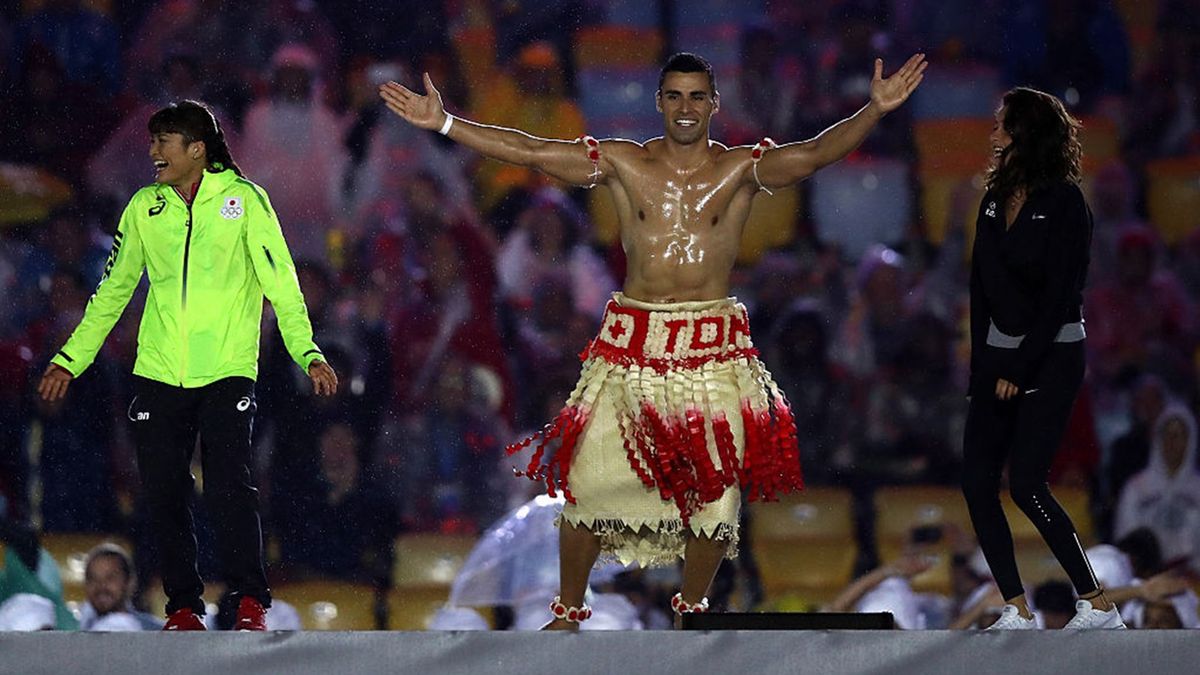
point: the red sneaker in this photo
(184, 619)
(251, 615)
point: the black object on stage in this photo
(789, 621)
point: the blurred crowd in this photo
(452, 294)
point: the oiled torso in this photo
(681, 226)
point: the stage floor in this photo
(753, 652)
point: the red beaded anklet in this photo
(571, 614)
(681, 607)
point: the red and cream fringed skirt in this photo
(673, 417)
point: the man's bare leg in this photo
(701, 558)
(578, 549)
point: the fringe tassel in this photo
(650, 544)
(674, 440)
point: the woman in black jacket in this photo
(1027, 353)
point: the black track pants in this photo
(166, 420)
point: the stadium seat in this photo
(1075, 501)
(1036, 563)
(818, 513)
(1173, 196)
(899, 509)
(1101, 141)
(412, 609)
(330, 604)
(805, 544)
(429, 561)
(814, 569)
(69, 551)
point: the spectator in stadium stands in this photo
(1055, 601)
(798, 346)
(1114, 203)
(344, 529)
(886, 589)
(871, 335)
(42, 124)
(1178, 611)
(26, 612)
(384, 154)
(1130, 452)
(532, 98)
(778, 280)
(452, 444)
(293, 128)
(760, 98)
(27, 568)
(83, 40)
(1165, 496)
(1142, 318)
(116, 169)
(1166, 91)
(551, 233)
(76, 463)
(108, 580)
(548, 335)
(449, 305)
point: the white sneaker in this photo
(1088, 617)
(1011, 619)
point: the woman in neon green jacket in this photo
(212, 247)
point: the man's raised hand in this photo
(425, 111)
(889, 93)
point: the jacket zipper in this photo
(187, 249)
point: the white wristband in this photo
(446, 125)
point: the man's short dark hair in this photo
(686, 62)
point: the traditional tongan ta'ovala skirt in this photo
(673, 416)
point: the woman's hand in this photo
(1005, 389)
(55, 381)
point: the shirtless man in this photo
(652, 436)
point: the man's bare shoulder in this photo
(623, 148)
(725, 153)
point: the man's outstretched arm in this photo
(567, 161)
(794, 162)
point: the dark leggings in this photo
(1026, 431)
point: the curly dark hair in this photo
(1045, 147)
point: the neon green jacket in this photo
(210, 264)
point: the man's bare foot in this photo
(561, 624)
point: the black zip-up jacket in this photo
(1028, 279)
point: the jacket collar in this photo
(211, 186)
